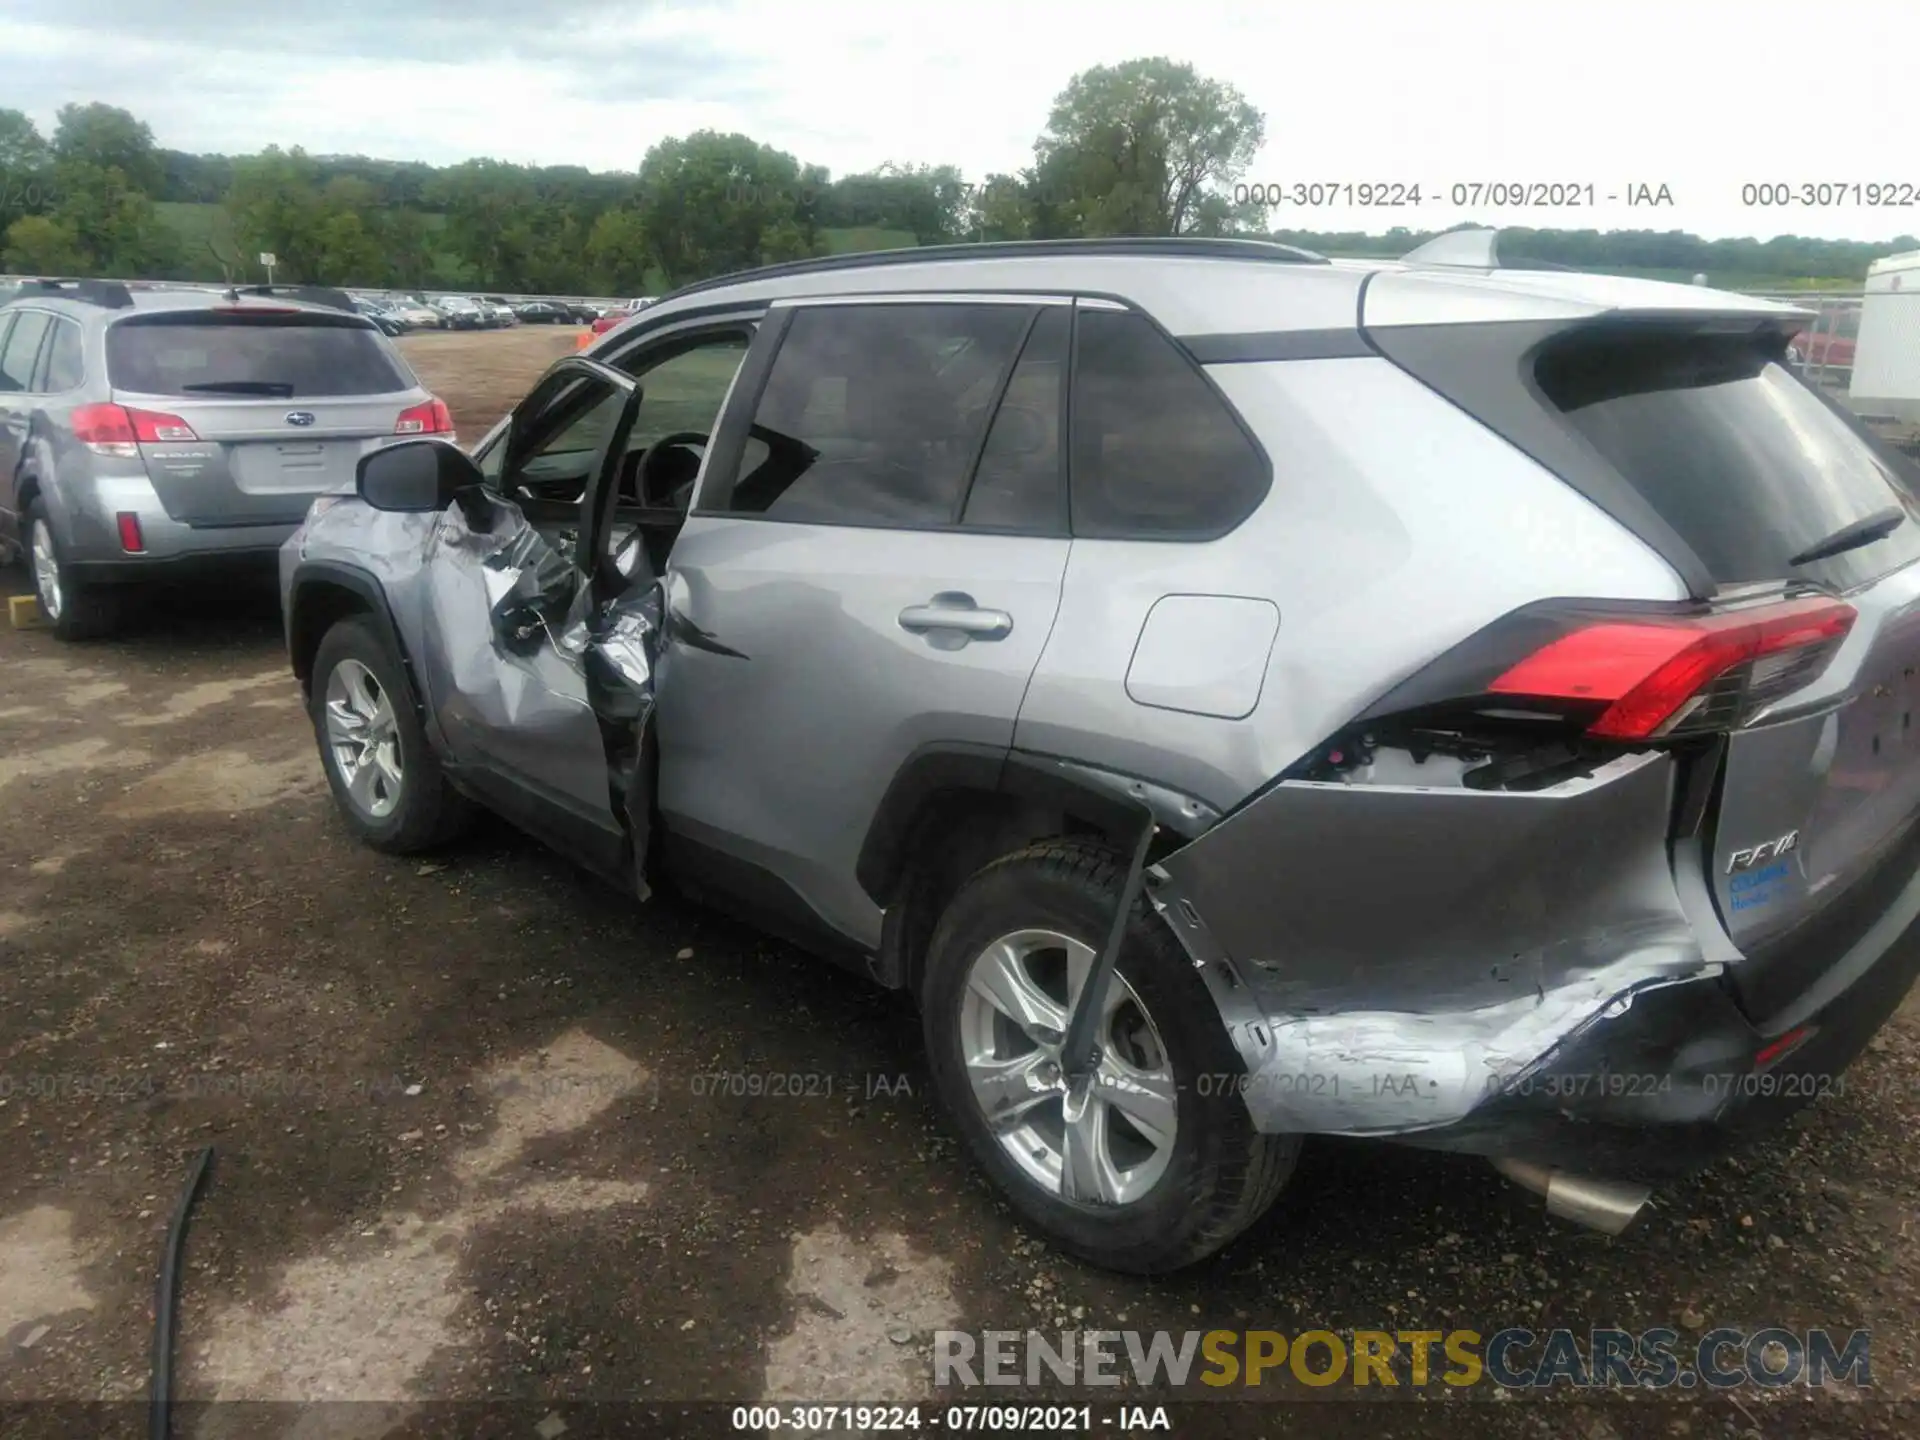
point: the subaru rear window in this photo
(269, 356)
(1745, 462)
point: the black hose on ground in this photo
(160, 1405)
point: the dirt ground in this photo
(469, 1146)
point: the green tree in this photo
(617, 253)
(25, 184)
(1141, 148)
(40, 245)
(109, 138)
(710, 203)
(274, 207)
(114, 223)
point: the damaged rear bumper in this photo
(1525, 976)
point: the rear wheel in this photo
(384, 775)
(73, 609)
(1161, 1166)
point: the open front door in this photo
(509, 598)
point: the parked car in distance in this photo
(463, 314)
(582, 313)
(159, 433)
(1580, 657)
(500, 308)
(610, 318)
(542, 312)
(418, 314)
(387, 322)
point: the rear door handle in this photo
(957, 612)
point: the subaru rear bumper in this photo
(1539, 976)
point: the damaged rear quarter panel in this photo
(1387, 955)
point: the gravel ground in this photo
(465, 1150)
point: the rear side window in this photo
(22, 348)
(278, 357)
(872, 414)
(1741, 459)
(65, 368)
(1156, 452)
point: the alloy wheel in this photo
(1109, 1148)
(363, 738)
(46, 571)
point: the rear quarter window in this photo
(1156, 452)
(1739, 457)
(298, 357)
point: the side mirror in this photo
(416, 477)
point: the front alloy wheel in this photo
(363, 739)
(1108, 1146)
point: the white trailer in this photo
(1886, 357)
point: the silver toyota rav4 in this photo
(159, 433)
(1239, 696)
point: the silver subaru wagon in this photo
(155, 433)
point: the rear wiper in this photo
(1864, 531)
(279, 388)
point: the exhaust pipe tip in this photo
(1608, 1206)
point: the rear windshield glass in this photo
(275, 357)
(1746, 463)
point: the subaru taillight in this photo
(122, 429)
(432, 418)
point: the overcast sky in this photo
(1698, 95)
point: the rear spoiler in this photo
(1477, 249)
(313, 294)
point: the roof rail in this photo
(110, 294)
(1167, 246)
(313, 294)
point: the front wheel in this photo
(1158, 1165)
(384, 775)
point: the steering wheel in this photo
(646, 477)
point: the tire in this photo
(1216, 1175)
(420, 811)
(71, 608)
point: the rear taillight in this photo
(432, 418)
(121, 429)
(1657, 678)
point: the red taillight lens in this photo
(432, 418)
(1662, 677)
(130, 537)
(106, 428)
(151, 427)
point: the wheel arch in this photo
(324, 593)
(953, 808)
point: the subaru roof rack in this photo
(108, 293)
(313, 294)
(1168, 246)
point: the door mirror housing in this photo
(416, 477)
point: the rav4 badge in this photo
(1757, 854)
